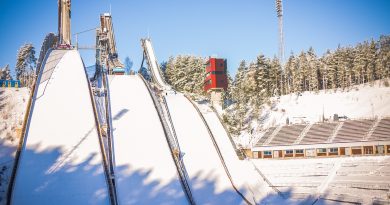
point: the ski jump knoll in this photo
(61, 160)
(145, 172)
(216, 176)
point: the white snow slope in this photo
(61, 160)
(242, 172)
(144, 168)
(208, 180)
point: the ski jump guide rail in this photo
(172, 143)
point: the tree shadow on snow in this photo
(140, 190)
(36, 182)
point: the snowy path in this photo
(61, 160)
(144, 168)
(208, 180)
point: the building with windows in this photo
(216, 78)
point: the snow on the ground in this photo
(208, 180)
(13, 103)
(144, 168)
(61, 160)
(361, 101)
(336, 178)
(243, 174)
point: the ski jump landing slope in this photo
(208, 180)
(145, 172)
(242, 171)
(61, 159)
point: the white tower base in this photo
(216, 98)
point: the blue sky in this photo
(231, 29)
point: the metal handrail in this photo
(106, 165)
(180, 167)
(109, 123)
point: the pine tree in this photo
(383, 60)
(275, 77)
(170, 71)
(128, 65)
(26, 64)
(313, 73)
(360, 63)
(288, 73)
(331, 71)
(237, 87)
(5, 73)
(297, 79)
(145, 73)
(341, 71)
(348, 66)
(371, 56)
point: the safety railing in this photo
(106, 164)
(172, 143)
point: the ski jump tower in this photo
(64, 23)
(105, 38)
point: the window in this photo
(218, 72)
(267, 153)
(321, 150)
(299, 151)
(290, 151)
(333, 150)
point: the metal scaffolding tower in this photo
(279, 11)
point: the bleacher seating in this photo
(287, 135)
(266, 135)
(382, 130)
(319, 133)
(350, 131)
(353, 130)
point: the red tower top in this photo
(216, 78)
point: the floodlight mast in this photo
(279, 11)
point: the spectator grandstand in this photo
(345, 138)
(381, 131)
(287, 135)
(353, 130)
(318, 133)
